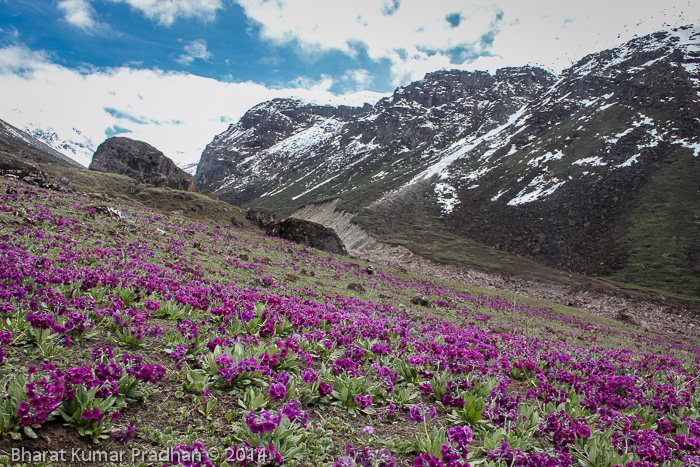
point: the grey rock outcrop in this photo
(142, 162)
(262, 217)
(13, 167)
(307, 233)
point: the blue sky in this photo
(176, 72)
(220, 43)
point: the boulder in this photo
(142, 162)
(15, 168)
(262, 217)
(356, 287)
(420, 301)
(307, 233)
(626, 317)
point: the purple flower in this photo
(461, 436)
(294, 413)
(426, 460)
(267, 329)
(390, 413)
(278, 391)
(93, 415)
(121, 436)
(109, 370)
(179, 352)
(363, 401)
(420, 412)
(190, 456)
(5, 337)
(664, 426)
(324, 389)
(426, 388)
(268, 422)
(381, 349)
(309, 376)
(282, 378)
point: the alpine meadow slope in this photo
(592, 171)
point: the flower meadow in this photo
(222, 347)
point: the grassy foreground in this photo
(128, 337)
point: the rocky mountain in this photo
(17, 142)
(140, 161)
(593, 171)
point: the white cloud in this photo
(357, 79)
(81, 14)
(178, 113)
(414, 33)
(194, 50)
(418, 37)
(167, 11)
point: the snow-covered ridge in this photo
(73, 143)
(454, 130)
(651, 49)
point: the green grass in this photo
(661, 233)
(166, 200)
(419, 228)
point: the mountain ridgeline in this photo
(20, 143)
(595, 170)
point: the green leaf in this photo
(30, 433)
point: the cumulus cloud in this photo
(167, 11)
(417, 38)
(194, 50)
(357, 79)
(81, 14)
(178, 113)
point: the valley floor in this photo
(636, 308)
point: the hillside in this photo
(590, 171)
(252, 347)
(17, 142)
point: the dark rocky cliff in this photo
(142, 162)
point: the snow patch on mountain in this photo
(462, 148)
(544, 158)
(695, 146)
(446, 196)
(540, 187)
(314, 187)
(594, 161)
(629, 162)
(301, 142)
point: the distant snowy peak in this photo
(22, 144)
(190, 168)
(71, 143)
